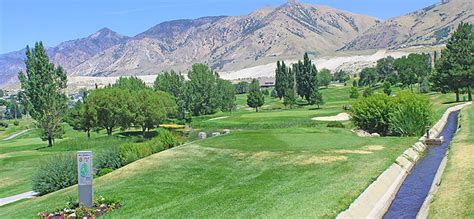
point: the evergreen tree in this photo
(255, 98)
(317, 98)
(456, 66)
(290, 98)
(281, 79)
(43, 85)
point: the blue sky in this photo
(23, 22)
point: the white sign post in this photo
(84, 170)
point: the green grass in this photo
(12, 129)
(275, 163)
(455, 197)
(20, 157)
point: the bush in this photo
(55, 173)
(372, 113)
(156, 145)
(130, 152)
(104, 171)
(368, 92)
(16, 123)
(335, 124)
(3, 124)
(410, 115)
(110, 158)
(168, 139)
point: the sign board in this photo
(84, 167)
(84, 178)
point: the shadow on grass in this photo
(148, 135)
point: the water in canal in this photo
(415, 188)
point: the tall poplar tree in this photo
(43, 85)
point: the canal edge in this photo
(375, 200)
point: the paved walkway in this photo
(11, 199)
(16, 135)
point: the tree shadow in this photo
(129, 134)
(451, 102)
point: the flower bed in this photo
(73, 209)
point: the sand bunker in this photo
(218, 118)
(339, 117)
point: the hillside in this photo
(429, 26)
(67, 54)
(224, 42)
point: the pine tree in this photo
(255, 98)
(43, 85)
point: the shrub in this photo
(110, 158)
(3, 124)
(387, 88)
(410, 115)
(168, 139)
(130, 152)
(104, 171)
(372, 113)
(55, 173)
(156, 145)
(16, 123)
(354, 94)
(368, 92)
(335, 124)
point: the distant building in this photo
(266, 82)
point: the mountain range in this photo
(235, 42)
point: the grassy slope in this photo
(12, 129)
(20, 157)
(455, 197)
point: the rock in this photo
(226, 131)
(215, 134)
(362, 133)
(202, 135)
(71, 216)
(375, 135)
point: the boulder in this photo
(202, 135)
(375, 135)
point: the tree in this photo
(203, 97)
(387, 88)
(290, 98)
(152, 108)
(132, 83)
(281, 79)
(368, 77)
(274, 93)
(455, 69)
(317, 98)
(169, 82)
(255, 98)
(243, 87)
(413, 68)
(385, 70)
(354, 83)
(368, 92)
(354, 94)
(341, 76)
(173, 83)
(2, 93)
(113, 107)
(324, 77)
(43, 85)
(227, 95)
(82, 117)
(306, 77)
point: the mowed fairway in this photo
(275, 163)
